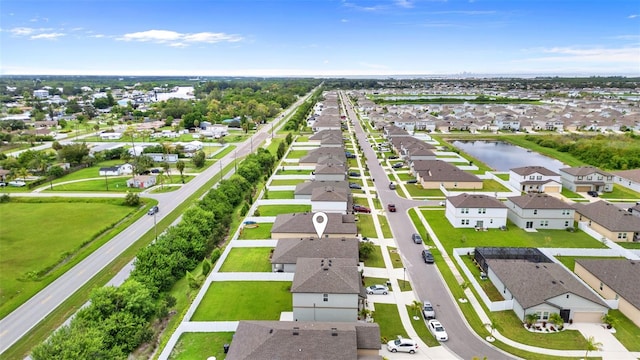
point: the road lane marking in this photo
(110, 249)
(45, 300)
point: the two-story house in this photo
(609, 220)
(535, 179)
(539, 211)
(586, 178)
(288, 251)
(331, 199)
(475, 210)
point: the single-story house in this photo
(142, 181)
(432, 174)
(475, 210)
(288, 251)
(327, 289)
(305, 189)
(267, 340)
(609, 220)
(116, 170)
(160, 157)
(299, 225)
(535, 179)
(111, 136)
(539, 211)
(586, 178)
(614, 279)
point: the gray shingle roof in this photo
(473, 201)
(633, 175)
(329, 168)
(584, 170)
(273, 340)
(528, 170)
(322, 275)
(609, 216)
(329, 193)
(532, 283)
(621, 275)
(539, 201)
(302, 223)
(289, 250)
(438, 170)
(306, 188)
(332, 152)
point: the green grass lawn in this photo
(569, 194)
(375, 259)
(297, 154)
(368, 281)
(386, 230)
(273, 195)
(504, 177)
(421, 328)
(570, 261)
(273, 210)
(486, 285)
(422, 230)
(201, 345)
(629, 245)
(457, 237)
(293, 172)
(222, 153)
(417, 190)
(118, 184)
(360, 201)
(365, 226)
(243, 259)
(262, 232)
(622, 193)
(29, 251)
(388, 318)
(405, 176)
(626, 331)
(286, 182)
(396, 260)
(244, 300)
(492, 185)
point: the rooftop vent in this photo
(334, 331)
(296, 330)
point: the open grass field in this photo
(241, 259)
(201, 345)
(273, 210)
(19, 269)
(514, 237)
(249, 301)
(262, 232)
(388, 318)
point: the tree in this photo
(54, 172)
(180, 165)
(530, 319)
(167, 169)
(132, 199)
(74, 153)
(281, 150)
(365, 249)
(22, 173)
(416, 306)
(198, 159)
(556, 319)
(592, 345)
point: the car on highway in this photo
(391, 207)
(402, 345)
(427, 310)
(437, 330)
(377, 290)
(354, 186)
(360, 208)
(427, 256)
(153, 210)
(416, 238)
(397, 165)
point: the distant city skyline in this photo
(322, 38)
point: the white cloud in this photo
(177, 39)
(22, 31)
(404, 3)
(47, 36)
(633, 16)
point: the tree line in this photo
(119, 319)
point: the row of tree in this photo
(118, 319)
(300, 116)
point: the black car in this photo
(412, 181)
(427, 256)
(153, 210)
(354, 174)
(354, 186)
(592, 193)
(392, 157)
(397, 165)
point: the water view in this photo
(503, 156)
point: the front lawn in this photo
(396, 260)
(201, 345)
(244, 300)
(273, 210)
(297, 154)
(622, 193)
(388, 318)
(514, 237)
(368, 281)
(365, 226)
(417, 190)
(242, 259)
(261, 232)
(386, 230)
(375, 258)
(293, 172)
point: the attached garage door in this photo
(583, 188)
(588, 317)
(552, 189)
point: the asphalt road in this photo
(15, 325)
(425, 278)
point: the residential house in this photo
(327, 289)
(432, 174)
(608, 220)
(586, 178)
(330, 172)
(111, 136)
(313, 156)
(297, 225)
(475, 210)
(535, 179)
(614, 279)
(288, 251)
(320, 135)
(628, 178)
(330, 199)
(160, 157)
(142, 181)
(305, 189)
(267, 340)
(539, 211)
(116, 170)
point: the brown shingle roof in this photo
(474, 201)
(324, 275)
(329, 193)
(584, 170)
(539, 201)
(609, 216)
(438, 170)
(528, 170)
(289, 250)
(306, 188)
(621, 275)
(302, 223)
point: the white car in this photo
(17, 183)
(402, 345)
(427, 311)
(378, 290)
(437, 330)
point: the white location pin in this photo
(319, 223)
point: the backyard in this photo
(201, 345)
(273, 210)
(242, 259)
(261, 231)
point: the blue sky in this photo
(319, 37)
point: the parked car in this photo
(592, 193)
(402, 345)
(416, 238)
(350, 155)
(427, 256)
(153, 210)
(155, 171)
(427, 310)
(442, 203)
(397, 165)
(354, 174)
(391, 207)
(412, 181)
(2, 183)
(437, 330)
(17, 183)
(362, 209)
(392, 186)
(378, 290)
(392, 157)
(354, 186)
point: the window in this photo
(464, 211)
(622, 235)
(538, 177)
(601, 285)
(482, 211)
(565, 212)
(535, 212)
(465, 221)
(531, 177)
(545, 316)
(544, 223)
(579, 177)
(566, 224)
(325, 297)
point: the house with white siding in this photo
(539, 211)
(535, 179)
(475, 211)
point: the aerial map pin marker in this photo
(319, 223)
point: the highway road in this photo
(15, 325)
(427, 283)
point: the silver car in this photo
(427, 311)
(378, 290)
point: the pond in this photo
(503, 156)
